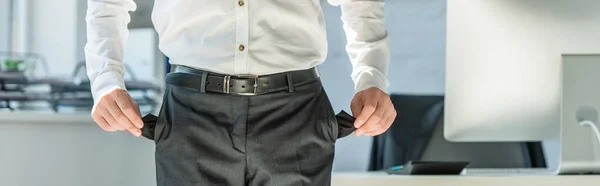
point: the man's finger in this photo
(126, 106)
(374, 122)
(102, 123)
(356, 107)
(136, 107)
(103, 112)
(372, 128)
(375, 132)
(365, 113)
(112, 121)
(116, 113)
(392, 117)
(383, 128)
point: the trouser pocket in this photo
(155, 126)
(345, 124)
(149, 126)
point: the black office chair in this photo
(417, 135)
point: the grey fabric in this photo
(282, 138)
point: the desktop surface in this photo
(383, 179)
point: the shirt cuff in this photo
(371, 78)
(105, 83)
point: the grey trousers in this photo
(276, 139)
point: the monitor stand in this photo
(579, 144)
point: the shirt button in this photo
(241, 2)
(241, 47)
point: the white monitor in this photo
(503, 65)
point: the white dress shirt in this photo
(240, 37)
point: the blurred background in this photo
(48, 138)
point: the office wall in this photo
(53, 33)
(81, 30)
(4, 25)
(60, 36)
(417, 34)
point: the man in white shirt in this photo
(244, 103)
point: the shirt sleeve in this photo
(367, 42)
(106, 36)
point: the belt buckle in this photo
(227, 80)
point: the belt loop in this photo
(289, 82)
(203, 86)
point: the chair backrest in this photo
(483, 155)
(406, 139)
(417, 135)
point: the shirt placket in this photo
(241, 37)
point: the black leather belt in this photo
(204, 81)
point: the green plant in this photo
(12, 64)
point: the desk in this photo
(12, 75)
(382, 179)
(63, 91)
(70, 150)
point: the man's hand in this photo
(117, 111)
(373, 110)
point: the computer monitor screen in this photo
(503, 65)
